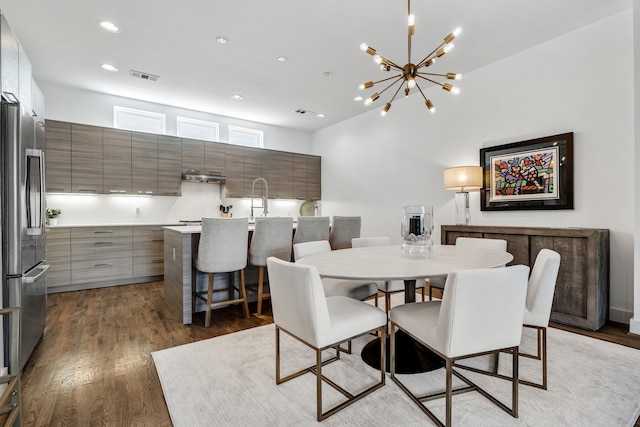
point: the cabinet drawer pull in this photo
(117, 191)
(157, 261)
(87, 190)
(102, 232)
(61, 190)
(103, 243)
(107, 264)
(170, 193)
(157, 240)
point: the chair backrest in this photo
(474, 242)
(542, 285)
(363, 242)
(271, 237)
(223, 245)
(482, 310)
(298, 301)
(309, 248)
(311, 228)
(343, 229)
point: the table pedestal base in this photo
(411, 356)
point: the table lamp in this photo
(463, 179)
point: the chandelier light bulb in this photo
(448, 47)
(367, 102)
(430, 106)
(377, 59)
(365, 85)
(411, 83)
(457, 31)
(385, 109)
(364, 47)
(411, 20)
(455, 90)
(454, 76)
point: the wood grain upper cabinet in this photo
(169, 166)
(270, 172)
(253, 170)
(58, 157)
(300, 178)
(314, 186)
(234, 186)
(86, 159)
(214, 158)
(116, 161)
(192, 155)
(285, 175)
(144, 149)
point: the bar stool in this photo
(222, 249)
(343, 229)
(271, 238)
(311, 229)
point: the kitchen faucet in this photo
(265, 197)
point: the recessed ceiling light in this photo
(321, 115)
(358, 98)
(237, 97)
(281, 59)
(109, 67)
(222, 40)
(109, 26)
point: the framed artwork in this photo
(528, 175)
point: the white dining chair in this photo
(481, 312)
(467, 242)
(388, 287)
(301, 310)
(312, 229)
(343, 230)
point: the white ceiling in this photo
(176, 40)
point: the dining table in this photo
(381, 263)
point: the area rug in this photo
(230, 381)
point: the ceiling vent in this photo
(143, 75)
(302, 111)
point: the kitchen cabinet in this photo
(24, 81)
(234, 186)
(253, 170)
(300, 178)
(148, 251)
(116, 161)
(58, 157)
(284, 186)
(144, 160)
(314, 186)
(169, 166)
(215, 158)
(192, 155)
(10, 58)
(101, 254)
(270, 172)
(58, 257)
(86, 159)
(581, 297)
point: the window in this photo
(138, 120)
(246, 137)
(197, 129)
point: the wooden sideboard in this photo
(582, 289)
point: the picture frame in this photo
(536, 174)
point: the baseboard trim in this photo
(619, 315)
(634, 326)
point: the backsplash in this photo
(197, 201)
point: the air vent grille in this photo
(302, 111)
(144, 76)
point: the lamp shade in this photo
(463, 178)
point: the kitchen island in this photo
(180, 243)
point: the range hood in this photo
(210, 178)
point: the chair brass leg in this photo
(387, 302)
(319, 385)
(243, 294)
(544, 358)
(232, 282)
(430, 293)
(260, 290)
(277, 355)
(424, 288)
(449, 393)
(514, 383)
(207, 317)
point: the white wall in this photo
(635, 322)
(93, 108)
(576, 83)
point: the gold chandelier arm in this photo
(432, 81)
(388, 78)
(395, 94)
(428, 57)
(392, 83)
(421, 92)
(410, 29)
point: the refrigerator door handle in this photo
(35, 193)
(32, 279)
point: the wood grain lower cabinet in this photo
(148, 251)
(58, 256)
(100, 254)
(582, 288)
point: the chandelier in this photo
(411, 72)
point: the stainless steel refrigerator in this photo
(23, 203)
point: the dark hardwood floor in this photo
(94, 365)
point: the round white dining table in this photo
(390, 263)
